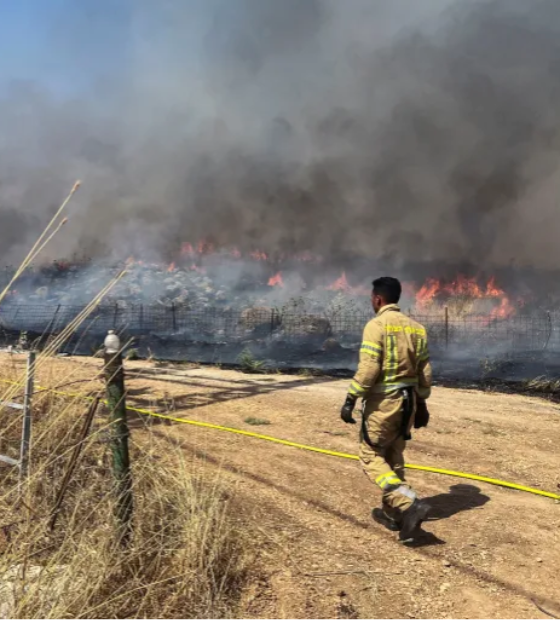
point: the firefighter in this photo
(393, 379)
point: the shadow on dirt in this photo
(177, 404)
(424, 539)
(461, 497)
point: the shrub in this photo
(256, 421)
(249, 364)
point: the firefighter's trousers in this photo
(381, 451)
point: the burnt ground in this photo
(489, 553)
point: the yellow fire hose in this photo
(292, 444)
(343, 455)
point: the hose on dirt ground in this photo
(292, 444)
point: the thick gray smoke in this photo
(421, 131)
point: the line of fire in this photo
(211, 304)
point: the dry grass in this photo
(187, 557)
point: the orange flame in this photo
(276, 280)
(307, 257)
(492, 290)
(428, 291)
(504, 310)
(464, 286)
(342, 284)
(131, 261)
(171, 268)
(431, 290)
(187, 249)
(467, 287)
(258, 255)
(204, 247)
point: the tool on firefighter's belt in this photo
(365, 433)
(348, 409)
(407, 411)
(422, 416)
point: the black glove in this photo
(347, 409)
(422, 416)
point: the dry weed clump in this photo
(543, 384)
(187, 557)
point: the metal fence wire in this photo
(219, 326)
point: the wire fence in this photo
(182, 324)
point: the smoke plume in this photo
(350, 129)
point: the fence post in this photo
(26, 429)
(446, 327)
(141, 317)
(114, 377)
(173, 318)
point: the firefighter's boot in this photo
(412, 519)
(381, 517)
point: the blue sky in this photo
(64, 44)
(68, 45)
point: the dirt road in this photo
(491, 553)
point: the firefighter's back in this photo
(405, 348)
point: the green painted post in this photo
(114, 378)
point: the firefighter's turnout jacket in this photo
(393, 357)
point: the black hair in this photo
(388, 288)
